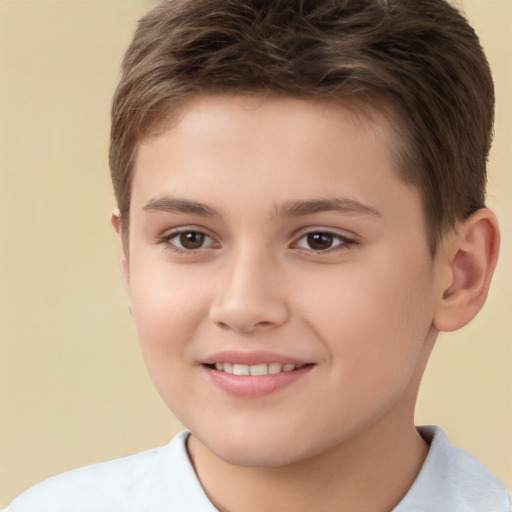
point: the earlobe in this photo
(116, 221)
(470, 256)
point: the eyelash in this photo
(343, 241)
(169, 245)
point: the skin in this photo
(239, 175)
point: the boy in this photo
(301, 208)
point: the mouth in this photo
(254, 375)
(260, 369)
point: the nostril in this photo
(238, 326)
(263, 324)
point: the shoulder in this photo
(452, 480)
(154, 480)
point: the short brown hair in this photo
(418, 59)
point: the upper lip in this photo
(252, 358)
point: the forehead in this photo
(238, 122)
(375, 113)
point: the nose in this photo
(250, 296)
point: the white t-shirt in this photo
(163, 480)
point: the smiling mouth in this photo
(255, 380)
(255, 369)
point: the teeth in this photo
(224, 367)
(274, 368)
(258, 369)
(255, 369)
(241, 369)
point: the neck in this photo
(370, 473)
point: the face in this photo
(279, 276)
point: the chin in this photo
(255, 456)
(256, 447)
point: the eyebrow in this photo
(337, 204)
(184, 206)
(288, 209)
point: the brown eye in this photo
(319, 241)
(191, 240)
(323, 241)
(188, 241)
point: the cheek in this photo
(167, 307)
(374, 320)
(166, 314)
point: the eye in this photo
(321, 241)
(188, 240)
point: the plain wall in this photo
(73, 389)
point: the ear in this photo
(116, 221)
(469, 256)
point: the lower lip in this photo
(255, 386)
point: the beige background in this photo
(73, 389)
